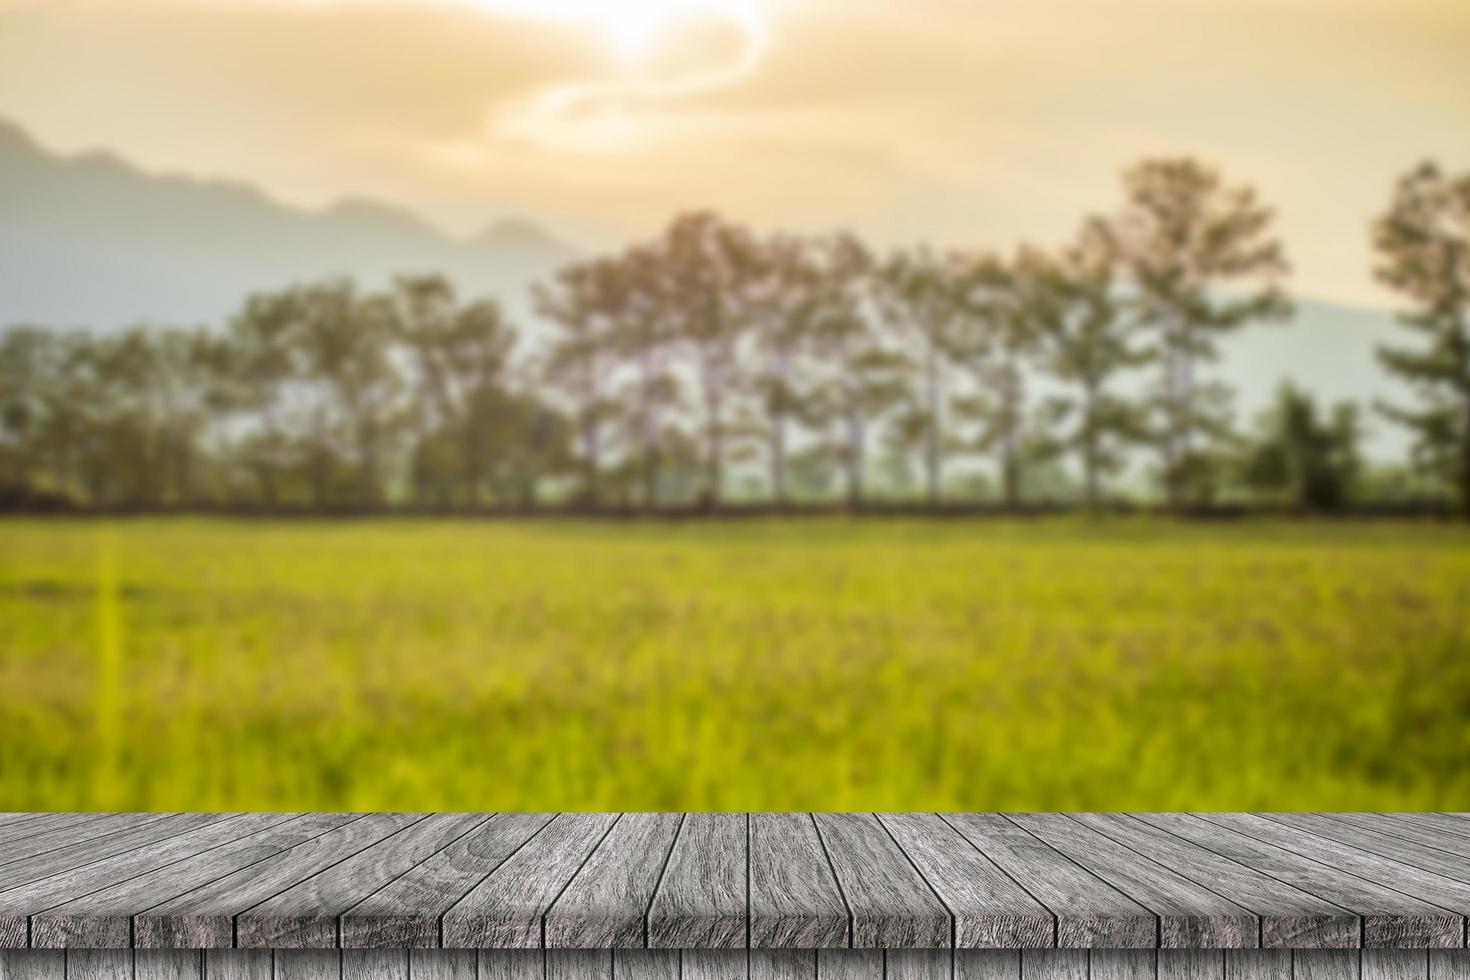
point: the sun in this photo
(632, 28)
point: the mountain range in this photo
(92, 240)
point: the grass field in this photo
(421, 665)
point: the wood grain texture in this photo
(1324, 964)
(987, 964)
(32, 964)
(891, 903)
(701, 901)
(783, 964)
(1122, 964)
(1190, 915)
(374, 964)
(990, 910)
(1420, 856)
(308, 964)
(1436, 889)
(849, 964)
(917, 964)
(1393, 825)
(795, 902)
(645, 964)
(304, 916)
(406, 911)
(129, 832)
(1449, 964)
(1290, 917)
(1192, 964)
(99, 964)
(442, 964)
(1258, 964)
(38, 832)
(168, 964)
(512, 964)
(579, 964)
(1054, 964)
(604, 905)
(713, 964)
(1089, 911)
(1390, 919)
(53, 931)
(1437, 822)
(1395, 964)
(238, 964)
(204, 917)
(505, 910)
(103, 918)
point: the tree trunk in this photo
(778, 458)
(855, 439)
(1090, 463)
(1465, 463)
(932, 460)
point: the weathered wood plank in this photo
(917, 964)
(239, 964)
(987, 964)
(701, 902)
(1390, 919)
(849, 964)
(1447, 893)
(1324, 964)
(579, 964)
(1257, 964)
(1122, 964)
(204, 918)
(645, 964)
(505, 910)
(891, 903)
(406, 911)
(713, 964)
(1089, 911)
(41, 832)
(104, 917)
(783, 964)
(32, 964)
(442, 964)
(99, 964)
(168, 964)
(1394, 825)
(35, 898)
(1438, 822)
(989, 909)
(1054, 964)
(605, 903)
(1290, 917)
(795, 902)
(1449, 964)
(1373, 842)
(304, 916)
(1191, 964)
(308, 964)
(1190, 915)
(512, 964)
(1395, 964)
(374, 964)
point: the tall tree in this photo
(646, 335)
(587, 303)
(1423, 244)
(997, 338)
(920, 299)
(863, 378)
(1201, 260)
(1085, 341)
(1313, 460)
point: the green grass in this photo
(987, 665)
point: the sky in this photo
(966, 123)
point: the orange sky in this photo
(957, 121)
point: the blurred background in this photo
(465, 404)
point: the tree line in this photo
(714, 364)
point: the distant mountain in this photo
(92, 240)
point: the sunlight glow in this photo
(632, 27)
